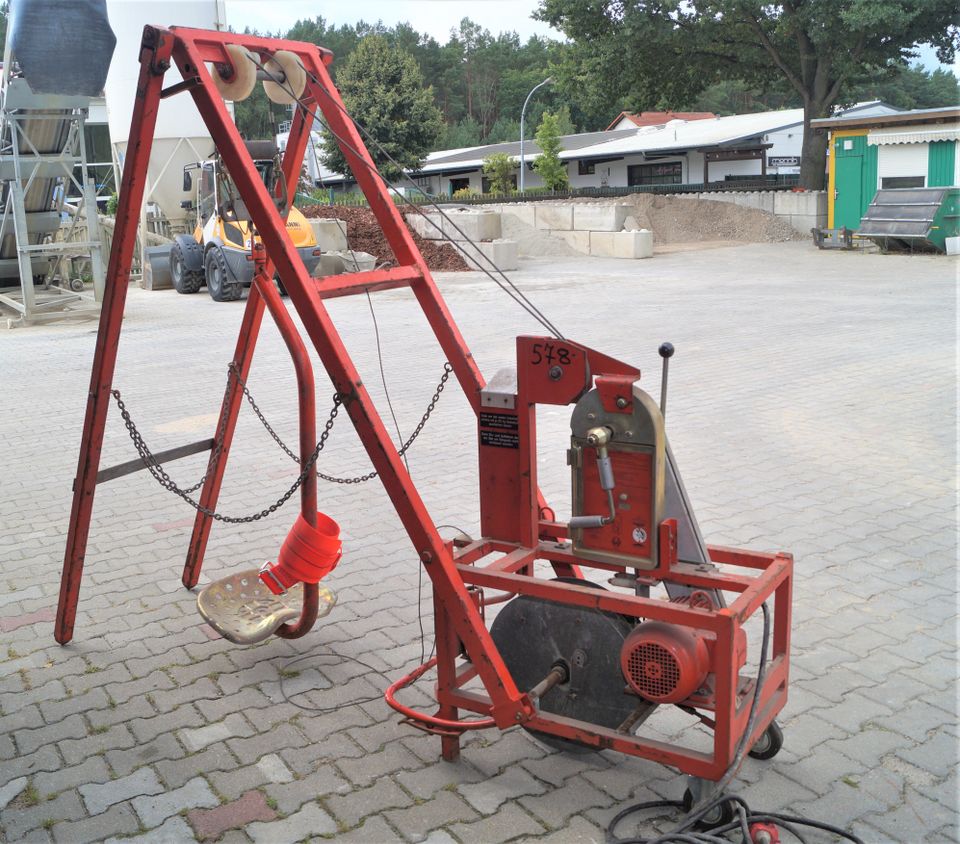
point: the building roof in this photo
(854, 120)
(678, 135)
(472, 157)
(655, 118)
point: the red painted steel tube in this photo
(509, 702)
(443, 723)
(154, 60)
(242, 358)
(306, 403)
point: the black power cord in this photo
(687, 832)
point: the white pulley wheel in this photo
(284, 66)
(240, 84)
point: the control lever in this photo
(666, 351)
(599, 438)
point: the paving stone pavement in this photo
(812, 408)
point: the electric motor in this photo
(663, 662)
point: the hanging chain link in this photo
(160, 475)
(162, 478)
(359, 479)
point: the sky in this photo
(436, 17)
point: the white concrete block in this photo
(554, 217)
(503, 253)
(331, 234)
(601, 244)
(637, 244)
(428, 226)
(602, 218)
(472, 225)
(577, 240)
(526, 213)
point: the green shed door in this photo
(940, 164)
(855, 180)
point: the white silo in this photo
(181, 136)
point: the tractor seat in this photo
(242, 610)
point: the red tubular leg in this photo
(154, 59)
(210, 494)
(242, 358)
(308, 431)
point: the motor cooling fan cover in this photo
(663, 662)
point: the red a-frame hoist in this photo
(577, 664)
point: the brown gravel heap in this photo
(364, 235)
(680, 219)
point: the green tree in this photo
(382, 89)
(499, 169)
(552, 170)
(466, 133)
(664, 53)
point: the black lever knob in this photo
(666, 350)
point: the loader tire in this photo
(184, 280)
(221, 284)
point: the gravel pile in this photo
(677, 219)
(364, 235)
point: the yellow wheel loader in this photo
(217, 253)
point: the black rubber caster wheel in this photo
(719, 815)
(769, 743)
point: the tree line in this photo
(479, 81)
(725, 56)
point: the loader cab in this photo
(201, 180)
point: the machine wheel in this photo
(533, 635)
(769, 743)
(220, 283)
(184, 280)
(718, 816)
(76, 285)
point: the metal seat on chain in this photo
(243, 610)
(251, 605)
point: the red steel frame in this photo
(454, 573)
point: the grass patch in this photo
(30, 796)
(96, 731)
(287, 674)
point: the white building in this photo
(749, 148)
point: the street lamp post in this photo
(523, 111)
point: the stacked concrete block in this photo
(505, 254)
(475, 234)
(803, 210)
(554, 217)
(600, 218)
(331, 234)
(635, 244)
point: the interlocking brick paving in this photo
(812, 408)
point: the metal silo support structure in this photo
(43, 109)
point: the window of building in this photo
(459, 184)
(586, 168)
(903, 182)
(661, 173)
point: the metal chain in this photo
(359, 479)
(160, 475)
(162, 478)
